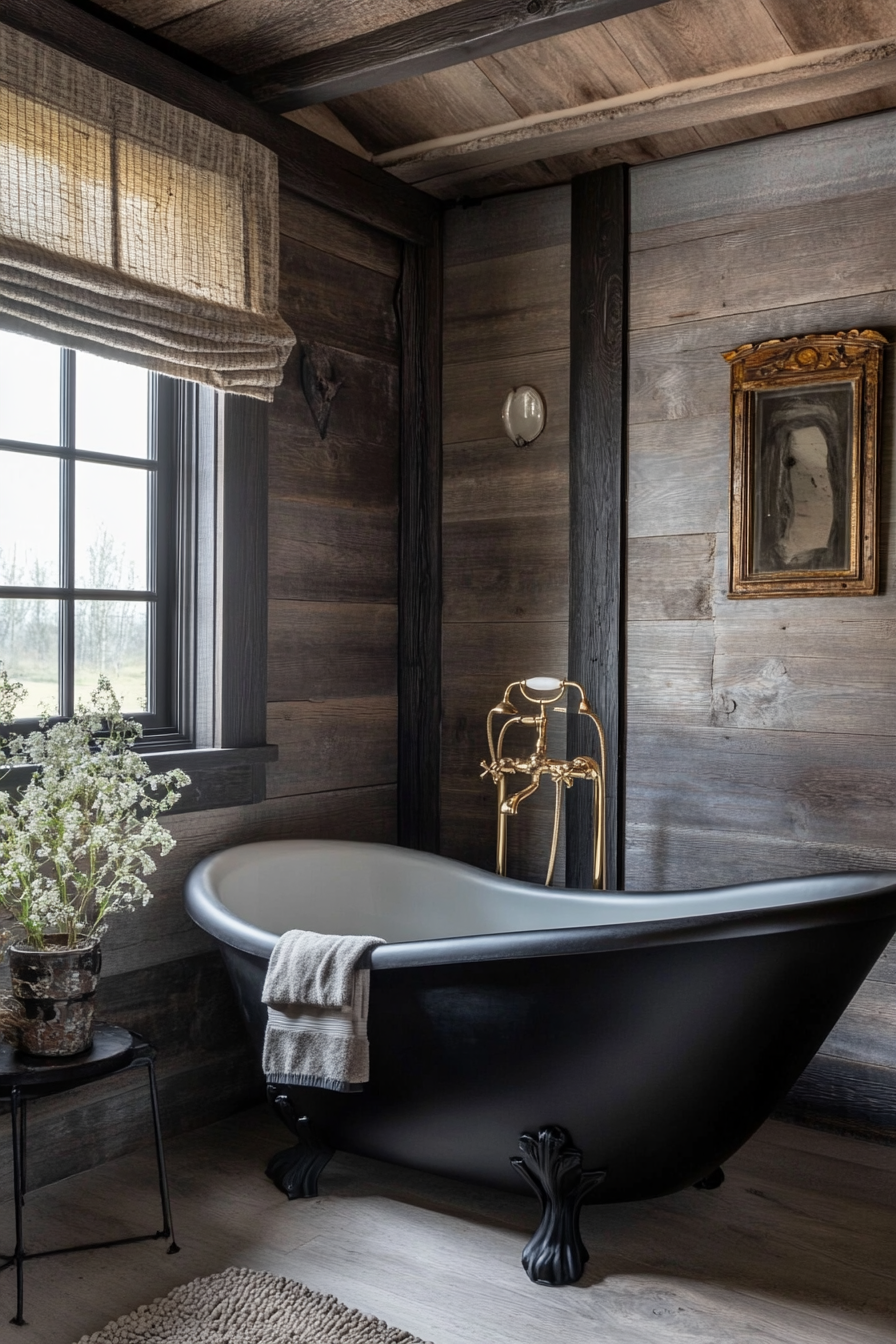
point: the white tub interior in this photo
(401, 895)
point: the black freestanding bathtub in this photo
(625, 1043)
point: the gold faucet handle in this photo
(495, 769)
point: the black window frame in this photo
(212, 578)
(159, 465)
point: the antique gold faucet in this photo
(544, 691)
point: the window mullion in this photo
(67, 538)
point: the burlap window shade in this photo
(129, 224)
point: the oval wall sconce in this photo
(523, 415)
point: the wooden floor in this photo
(798, 1246)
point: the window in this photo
(133, 542)
(86, 498)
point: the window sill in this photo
(219, 776)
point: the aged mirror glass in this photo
(803, 500)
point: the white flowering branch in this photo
(75, 844)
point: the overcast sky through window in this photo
(110, 519)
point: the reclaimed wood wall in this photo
(332, 630)
(761, 736)
(505, 509)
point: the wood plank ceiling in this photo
(680, 76)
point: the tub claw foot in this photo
(295, 1170)
(555, 1254)
(712, 1181)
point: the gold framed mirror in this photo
(804, 466)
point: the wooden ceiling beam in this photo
(443, 166)
(309, 165)
(433, 41)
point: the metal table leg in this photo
(168, 1227)
(17, 1118)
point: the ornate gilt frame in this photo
(852, 357)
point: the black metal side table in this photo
(25, 1077)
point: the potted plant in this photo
(76, 846)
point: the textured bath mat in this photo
(242, 1306)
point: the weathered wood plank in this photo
(729, 94)
(338, 814)
(327, 299)
(239, 783)
(663, 857)
(474, 392)
(319, 553)
(844, 1096)
(434, 40)
(479, 662)
(665, 461)
(829, 25)
(419, 305)
(338, 236)
(669, 672)
(802, 789)
(455, 99)
(565, 72)
(507, 303)
(670, 578)
(188, 1005)
(357, 462)
(495, 479)
(336, 471)
(308, 165)
(319, 650)
(345, 744)
(676, 371)
(866, 1033)
(507, 569)
(506, 225)
(805, 674)
(670, 45)
(818, 163)
(886, 966)
(836, 249)
(597, 488)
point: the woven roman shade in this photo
(128, 224)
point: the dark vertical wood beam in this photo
(419, 306)
(597, 496)
(243, 570)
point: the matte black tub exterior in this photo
(657, 1032)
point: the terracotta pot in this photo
(56, 988)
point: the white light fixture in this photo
(523, 415)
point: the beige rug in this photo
(242, 1306)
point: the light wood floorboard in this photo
(796, 1248)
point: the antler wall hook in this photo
(319, 383)
(541, 692)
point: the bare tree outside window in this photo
(78, 480)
